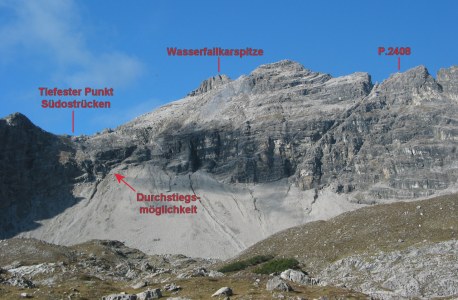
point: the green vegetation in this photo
(243, 264)
(277, 265)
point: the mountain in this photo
(277, 148)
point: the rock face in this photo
(210, 84)
(394, 140)
(276, 148)
(37, 174)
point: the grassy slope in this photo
(33, 251)
(368, 230)
(194, 288)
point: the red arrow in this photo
(120, 178)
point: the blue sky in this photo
(122, 44)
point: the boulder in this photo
(277, 284)
(139, 285)
(295, 276)
(172, 287)
(21, 282)
(224, 291)
(149, 294)
(215, 274)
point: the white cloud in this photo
(114, 69)
(54, 29)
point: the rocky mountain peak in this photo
(414, 76)
(419, 76)
(280, 66)
(411, 87)
(210, 84)
(448, 74)
(284, 74)
(448, 79)
(19, 120)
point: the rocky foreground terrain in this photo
(391, 251)
(97, 269)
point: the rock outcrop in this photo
(210, 84)
(224, 291)
(277, 284)
(295, 276)
(426, 270)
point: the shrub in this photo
(243, 264)
(277, 265)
